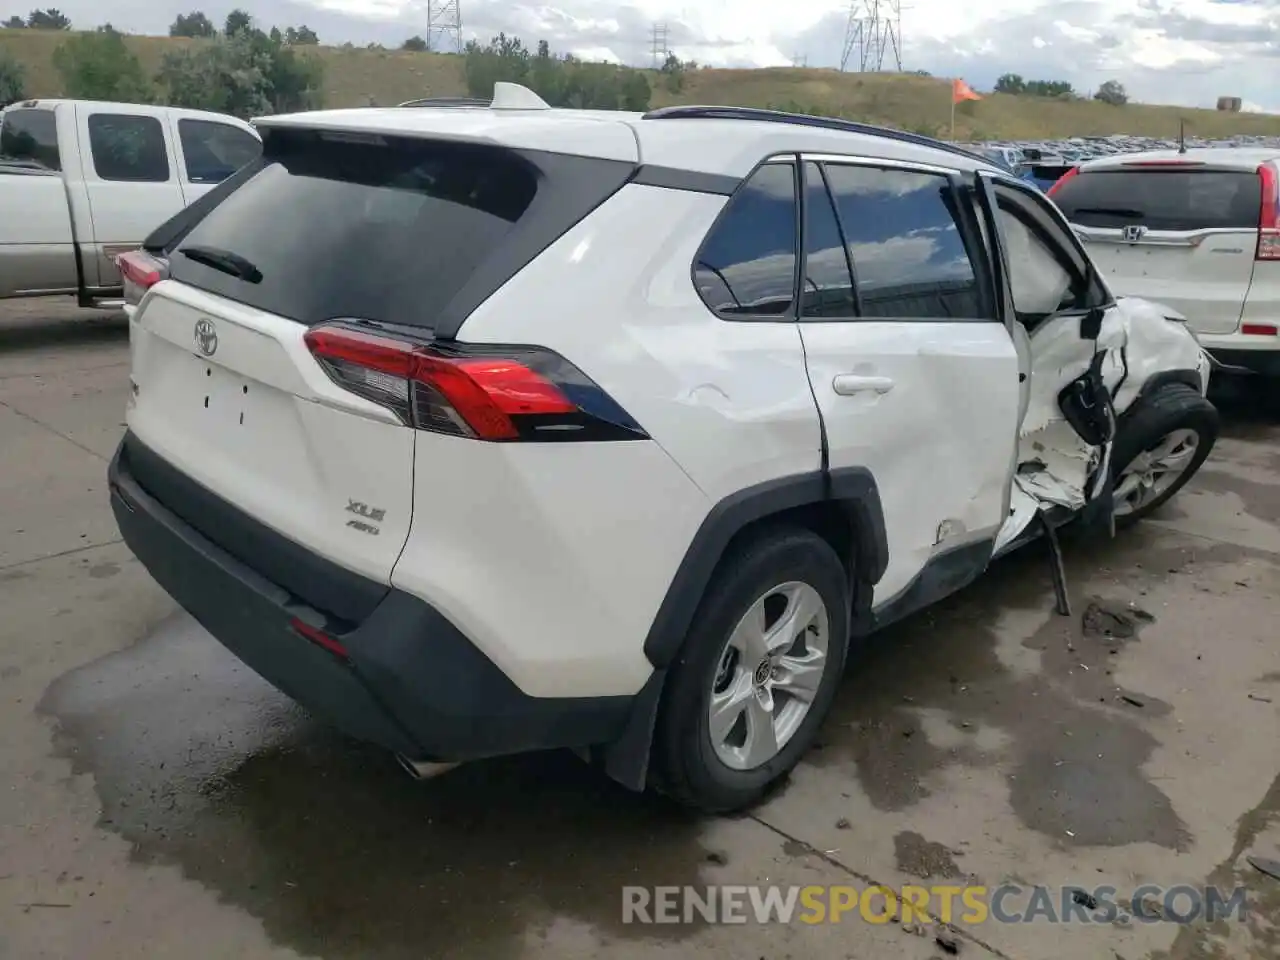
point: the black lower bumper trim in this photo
(414, 683)
(1263, 362)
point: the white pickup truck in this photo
(83, 181)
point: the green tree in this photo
(674, 70)
(238, 21)
(98, 66)
(12, 79)
(502, 59)
(414, 43)
(194, 24)
(561, 81)
(15, 23)
(300, 36)
(49, 19)
(1011, 83)
(247, 74)
(1112, 92)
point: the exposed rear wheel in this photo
(757, 673)
(1161, 444)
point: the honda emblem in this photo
(1134, 232)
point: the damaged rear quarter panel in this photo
(1140, 341)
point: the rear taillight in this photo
(1269, 215)
(140, 272)
(480, 391)
(1063, 179)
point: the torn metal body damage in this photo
(1057, 467)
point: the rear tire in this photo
(1162, 441)
(757, 673)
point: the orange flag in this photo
(961, 91)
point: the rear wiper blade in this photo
(223, 260)
(1111, 211)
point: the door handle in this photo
(848, 384)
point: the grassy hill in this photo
(920, 104)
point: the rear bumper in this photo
(413, 682)
(1230, 360)
(1243, 352)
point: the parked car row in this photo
(477, 433)
(82, 181)
(1044, 162)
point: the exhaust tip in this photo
(423, 770)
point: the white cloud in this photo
(1171, 51)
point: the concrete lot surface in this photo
(160, 801)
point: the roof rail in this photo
(804, 119)
(447, 102)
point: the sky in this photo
(1186, 52)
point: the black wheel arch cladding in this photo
(852, 490)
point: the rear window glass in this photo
(747, 265)
(30, 137)
(1162, 199)
(909, 258)
(388, 231)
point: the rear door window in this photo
(126, 148)
(30, 137)
(1175, 200)
(828, 284)
(388, 231)
(213, 151)
(747, 265)
(909, 257)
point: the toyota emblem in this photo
(206, 337)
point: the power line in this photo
(444, 26)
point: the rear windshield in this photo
(388, 230)
(1162, 199)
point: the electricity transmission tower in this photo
(872, 33)
(661, 50)
(444, 26)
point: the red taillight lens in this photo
(470, 390)
(1063, 179)
(140, 272)
(1269, 215)
(1258, 329)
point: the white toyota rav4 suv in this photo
(480, 430)
(1199, 231)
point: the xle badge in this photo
(368, 513)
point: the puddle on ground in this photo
(340, 854)
(1075, 743)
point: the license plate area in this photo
(224, 395)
